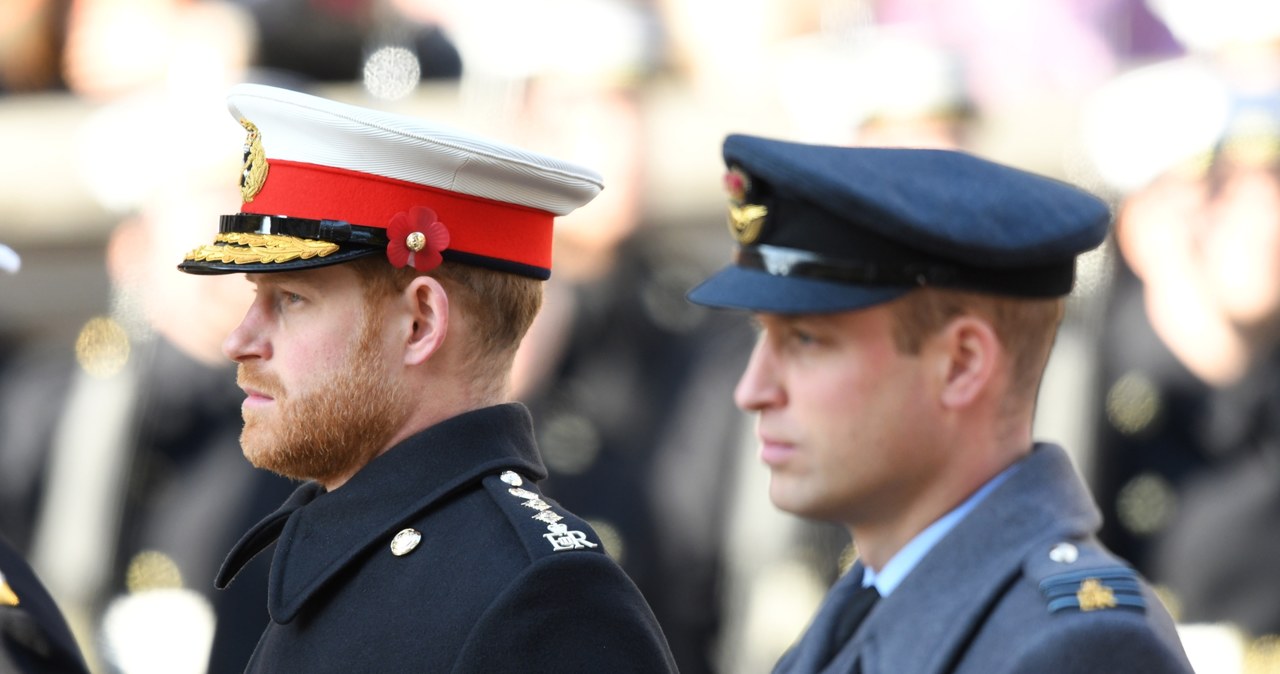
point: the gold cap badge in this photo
(253, 173)
(745, 220)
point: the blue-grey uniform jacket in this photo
(1019, 585)
(34, 637)
(442, 556)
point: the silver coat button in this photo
(405, 542)
(1064, 553)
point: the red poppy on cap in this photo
(416, 238)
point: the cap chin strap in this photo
(335, 231)
(1053, 280)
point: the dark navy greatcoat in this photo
(501, 580)
(34, 637)
(1019, 586)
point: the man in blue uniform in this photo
(397, 266)
(908, 301)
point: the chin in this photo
(789, 497)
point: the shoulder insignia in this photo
(1081, 575)
(559, 530)
(1093, 590)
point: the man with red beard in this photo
(397, 266)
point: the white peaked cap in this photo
(330, 178)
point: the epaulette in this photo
(543, 526)
(1083, 577)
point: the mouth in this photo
(255, 398)
(774, 452)
(260, 388)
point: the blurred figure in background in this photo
(1188, 444)
(31, 39)
(142, 457)
(140, 451)
(34, 637)
(340, 40)
(134, 445)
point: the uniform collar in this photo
(318, 533)
(900, 565)
(1040, 503)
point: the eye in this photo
(802, 337)
(284, 299)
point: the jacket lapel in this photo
(930, 618)
(319, 536)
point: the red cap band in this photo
(476, 225)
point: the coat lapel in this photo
(320, 535)
(930, 618)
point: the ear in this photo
(968, 350)
(428, 319)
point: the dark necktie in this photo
(852, 615)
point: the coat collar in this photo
(318, 533)
(1041, 503)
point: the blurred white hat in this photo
(9, 260)
(1207, 26)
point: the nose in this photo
(248, 340)
(758, 388)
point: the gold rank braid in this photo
(247, 248)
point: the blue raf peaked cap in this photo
(823, 229)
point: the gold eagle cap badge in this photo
(745, 220)
(253, 173)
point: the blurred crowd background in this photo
(120, 473)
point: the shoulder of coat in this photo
(542, 525)
(1081, 576)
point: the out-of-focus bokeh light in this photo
(1146, 503)
(152, 570)
(102, 348)
(164, 631)
(1133, 403)
(391, 73)
(610, 537)
(570, 443)
(9, 261)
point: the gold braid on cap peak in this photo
(247, 248)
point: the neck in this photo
(970, 465)
(447, 399)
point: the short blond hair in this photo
(500, 306)
(1026, 327)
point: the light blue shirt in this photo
(901, 564)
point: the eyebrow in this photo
(278, 278)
